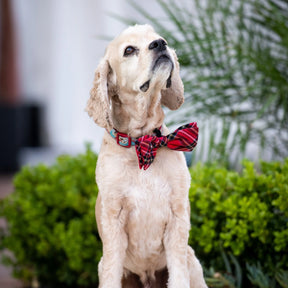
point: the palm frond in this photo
(234, 64)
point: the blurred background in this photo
(233, 56)
(234, 66)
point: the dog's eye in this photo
(129, 51)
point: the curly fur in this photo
(143, 217)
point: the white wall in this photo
(58, 51)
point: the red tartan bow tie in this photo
(183, 139)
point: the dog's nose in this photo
(158, 45)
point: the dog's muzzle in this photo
(162, 57)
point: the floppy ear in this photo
(173, 95)
(98, 103)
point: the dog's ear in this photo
(98, 103)
(173, 95)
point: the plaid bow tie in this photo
(183, 139)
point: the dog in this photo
(142, 215)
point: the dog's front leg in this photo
(110, 220)
(176, 245)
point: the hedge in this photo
(52, 231)
(241, 214)
(238, 218)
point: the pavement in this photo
(6, 279)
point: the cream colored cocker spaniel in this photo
(143, 216)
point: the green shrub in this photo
(52, 230)
(236, 218)
(243, 214)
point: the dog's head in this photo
(138, 64)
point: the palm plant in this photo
(234, 59)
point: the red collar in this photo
(124, 140)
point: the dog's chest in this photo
(147, 212)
